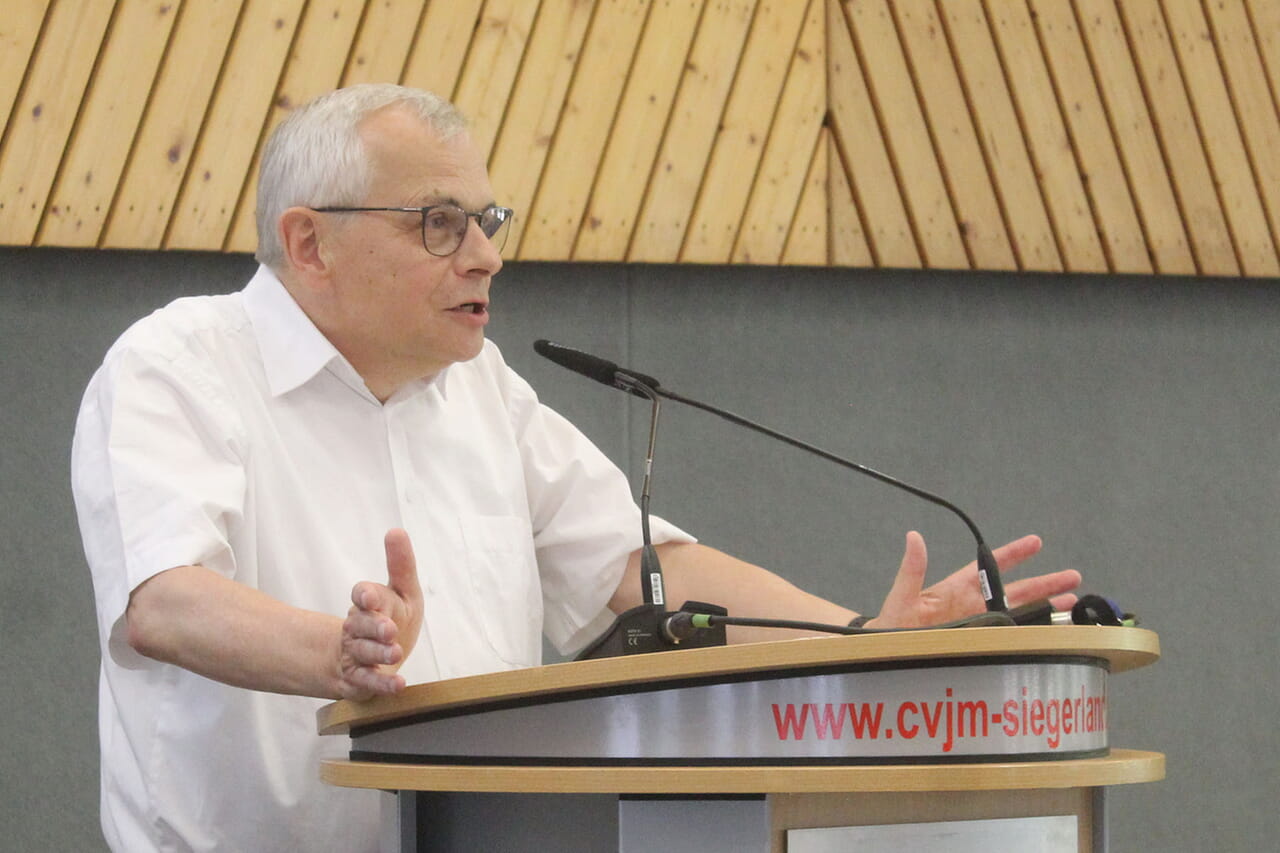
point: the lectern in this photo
(798, 745)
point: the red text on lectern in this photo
(946, 720)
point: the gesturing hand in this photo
(382, 625)
(910, 605)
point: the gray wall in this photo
(1131, 422)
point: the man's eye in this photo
(440, 221)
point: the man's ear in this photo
(304, 248)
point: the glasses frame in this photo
(507, 215)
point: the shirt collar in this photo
(293, 349)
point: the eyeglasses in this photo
(444, 226)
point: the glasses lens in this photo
(443, 228)
(495, 222)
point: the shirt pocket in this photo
(503, 575)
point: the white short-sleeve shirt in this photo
(226, 431)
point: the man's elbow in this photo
(140, 631)
(148, 615)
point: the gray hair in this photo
(316, 158)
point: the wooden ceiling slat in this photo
(551, 227)
(744, 129)
(1104, 178)
(316, 63)
(691, 132)
(94, 160)
(167, 136)
(797, 124)
(633, 144)
(19, 30)
(911, 149)
(1252, 100)
(224, 155)
(45, 113)
(990, 102)
(981, 223)
(1193, 44)
(807, 241)
(492, 64)
(383, 43)
(848, 237)
(438, 54)
(1188, 164)
(1078, 135)
(865, 158)
(1135, 137)
(1264, 15)
(1046, 135)
(520, 152)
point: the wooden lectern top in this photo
(1121, 648)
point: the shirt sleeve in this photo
(157, 478)
(584, 518)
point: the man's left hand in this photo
(911, 605)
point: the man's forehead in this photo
(422, 165)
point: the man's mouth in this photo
(472, 307)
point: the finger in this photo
(371, 652)
(1017, 551)
(910, 578)
(1043, 586)
(364, 682)
(1064, 602)
(402, 568)
(371, 597)
(369, 625)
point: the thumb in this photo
(910, 579)
(402, 568)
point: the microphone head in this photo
(578, 361)
(593, 366)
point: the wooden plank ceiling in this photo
(1125, 136)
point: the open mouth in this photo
(472, 308)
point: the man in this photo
(239, 458)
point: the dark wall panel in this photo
(1131, 422)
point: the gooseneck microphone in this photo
(603, 370)
(643, 628)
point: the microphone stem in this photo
(651, 585)
(648, 462)
(988, 570)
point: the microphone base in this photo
(638, 631)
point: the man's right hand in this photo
(382, 625)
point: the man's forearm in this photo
(195, 618)
(699, 573)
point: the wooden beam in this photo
(964, 169)
(1219, 125)
(582, 134)
(863, 153)
(632, 146)
(45, 113)
(910, 146)
(98, 149)
(524, 140)
(1004, 148)
(242, 103)
(779, 181)
(1135, 137)
(691, 131)
(744, 129)
(180, 100)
